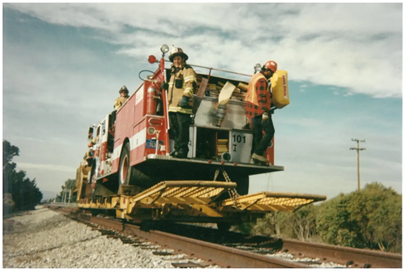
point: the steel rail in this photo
(223, 256)
(344, 255)
(213, 253)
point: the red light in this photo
(151, 59)
(235, 163)
(222, 162)
(209, 161)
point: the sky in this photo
(63, 65)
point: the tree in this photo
(9, 152)
(8, 203)
(268, 226)
(303, 222)
(24, 192)
(333, 225)
(378, 212)
(9, 167)
(70, 185)
(298, 225)
(371, 217)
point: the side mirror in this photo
(90, 133)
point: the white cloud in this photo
(54, 93)
(350, 48)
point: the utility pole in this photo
(358, 149)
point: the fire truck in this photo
(128, 168)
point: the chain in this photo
(232, 192)
(216, 174)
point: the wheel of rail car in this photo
(124, 171)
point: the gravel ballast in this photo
(46, 239)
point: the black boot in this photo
(174, 153)
(181, 154)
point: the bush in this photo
(371, 217)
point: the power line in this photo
(358, 149)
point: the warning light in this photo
(152, 59)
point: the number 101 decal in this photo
(239, 139)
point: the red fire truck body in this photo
(129, 171)
(133, 145)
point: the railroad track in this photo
(236, 250)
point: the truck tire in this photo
(124, 170)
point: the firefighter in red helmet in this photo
(181, 87)
(258, 110)
(123, 97)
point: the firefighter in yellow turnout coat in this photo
(123, 97)
(182, 86)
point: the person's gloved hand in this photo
(265, 118)
(184, 102)
(173, 69)
(165, 86)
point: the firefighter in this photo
(123, 97)
(181, 87)
(258, 110)
(95, 140)
(89, 155)
(119, 102)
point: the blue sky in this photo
(63, 65)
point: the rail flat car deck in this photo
(198, 201)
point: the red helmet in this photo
(272, 65)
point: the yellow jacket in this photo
(119, 102)
(188, 77)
